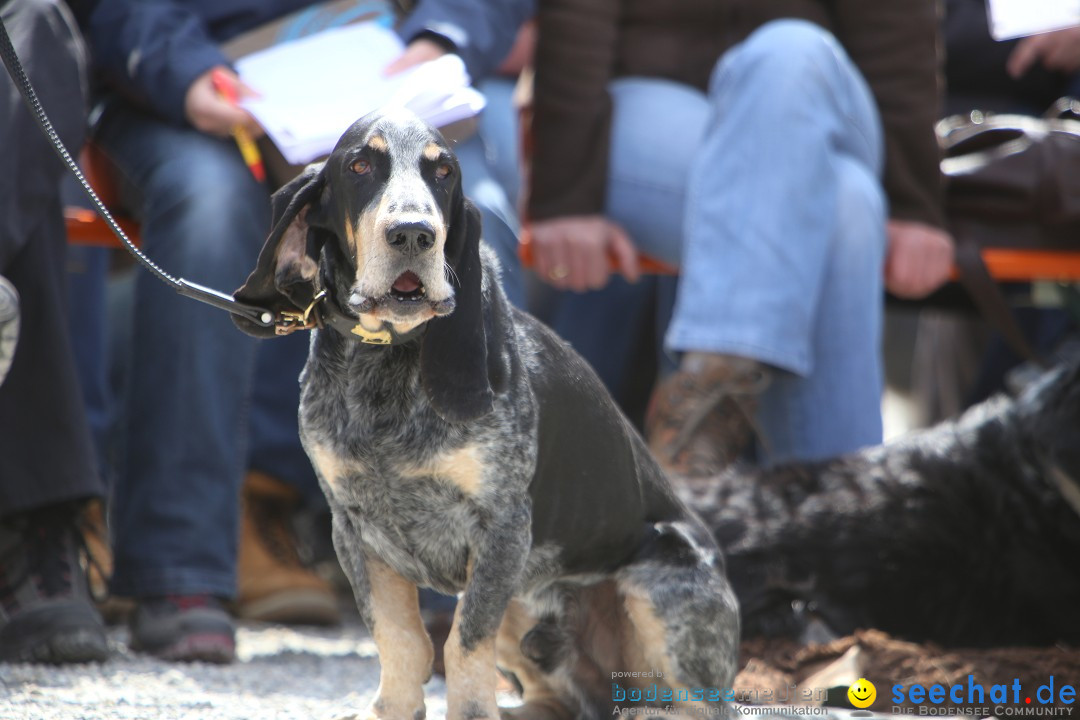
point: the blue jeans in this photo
(483, 186)
(204, 218)
(500, 134)
(766, 192)
(87, 270)
(275, 433)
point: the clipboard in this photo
(1010, 19)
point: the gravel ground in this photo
(281, 673)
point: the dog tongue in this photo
(407, 282)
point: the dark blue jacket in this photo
(151, 51)
(481, 32)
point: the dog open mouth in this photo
(407, 298)
(408, 288)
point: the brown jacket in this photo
(583, 44)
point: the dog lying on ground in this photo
(463, 447)
(966, 534)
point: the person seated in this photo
(784, 159)
(188, 405)
(958, 360)
(49, 470)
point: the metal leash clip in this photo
(292, 320)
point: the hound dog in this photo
(965, 534)
(464, 447)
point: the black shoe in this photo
(184, 628)
(46, 614)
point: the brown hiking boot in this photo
(99, 569)
(701, 418)
(272, 583)
(96, 540)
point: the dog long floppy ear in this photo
(284, 277)
(461, 361)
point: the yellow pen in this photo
(248, 149)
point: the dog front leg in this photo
(389, 606)
(495, 568)
(405, 651)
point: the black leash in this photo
(257, 315)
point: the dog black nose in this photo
(411, 237)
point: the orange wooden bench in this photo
(1030, 265)
(1006, 266)
(85, 226)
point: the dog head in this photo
(384, 228)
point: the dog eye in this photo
(361, 167)
(443, 171)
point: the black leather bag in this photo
(1012, 181)
(1016, 171)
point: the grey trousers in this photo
(46, 455)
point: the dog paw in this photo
(372, 715)
(473, 710)
(383, 710)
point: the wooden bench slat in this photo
(85, 227)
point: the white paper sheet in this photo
(312, 90)
(1018, 18)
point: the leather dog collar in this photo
(348, 326)
(322, 312)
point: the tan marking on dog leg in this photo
(463, 468)
(650, 636)
(432, 151)
(470, 674)
(470, 678)
(377, 142)
(327, 463)
(405, 651)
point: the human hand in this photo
(522, 53)
(419, 51)
(919, 258)
(576, 252)
(210, 113)
(1058, 50)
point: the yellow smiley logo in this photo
(862, 694)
